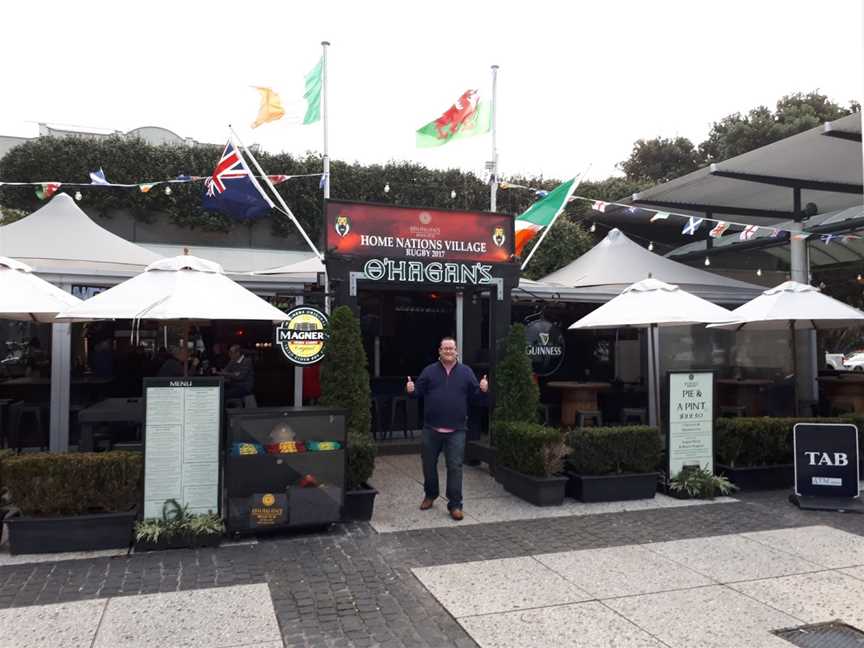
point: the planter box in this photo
(749, 478)
(180, 542)
(540, 491)
(611, 488)
(359, 504)
(72, 533)
(483, 452)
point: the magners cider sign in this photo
(301, 337)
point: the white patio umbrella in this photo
(183, 287)
(649, 304)
(24, 296)
(792, 306)
(178, 288)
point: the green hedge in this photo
(528, 448)
(764, 441)
(361, 459)
(74, 483)
(611, 450)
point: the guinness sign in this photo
(545, 346)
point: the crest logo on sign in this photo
(498, 237)
(301, 337)
(342, 225)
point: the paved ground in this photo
(652, 577)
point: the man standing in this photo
(239, 374)
(447, 386)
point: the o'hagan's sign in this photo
(367, 230)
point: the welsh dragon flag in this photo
(542, 213)
(468, 116)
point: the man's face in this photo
(447, 351)
(234, 353)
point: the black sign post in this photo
(826, 467)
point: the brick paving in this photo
(353, 587)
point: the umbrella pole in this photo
(186, 355)
(794, 367)
(657, 402)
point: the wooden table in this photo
(848, 388)
(745, 391)
(110, 410)
(577, 396)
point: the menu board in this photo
(690, 439)
(181, 443)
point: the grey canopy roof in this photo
(617, 262)
(756, 187)
(60, 236)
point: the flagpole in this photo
(324, 46)
(493, 189)
(285, 207)
(549, 227)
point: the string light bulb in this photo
(387, 187)
(453, 193)
(167, 191)
(707, 261)
(650, 246)
(593, 228)
(78, 195)
(859, 276)
(759, 272)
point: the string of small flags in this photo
(695, 223)
(46, 189)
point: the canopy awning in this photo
(824, 163)
(617, 262)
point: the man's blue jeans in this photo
(453, 446)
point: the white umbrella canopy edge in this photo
(651, 303)
(184, 287)
(792, 305)
(26, 297)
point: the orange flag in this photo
(271, 107)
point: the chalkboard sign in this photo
(826, 460)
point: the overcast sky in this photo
(579, 82)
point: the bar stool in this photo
(631, 414)
(548, 411)
(17, 412)
(732, 411)
(409, 407)
(583, 416)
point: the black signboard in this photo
(545, 346)
(826, 460)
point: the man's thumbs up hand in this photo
(484, 384)
(409, 386)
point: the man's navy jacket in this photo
(446, 397)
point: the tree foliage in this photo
(661, 159)
(517, 397)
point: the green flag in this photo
(542, 213)
(467, 117)
(312, 95)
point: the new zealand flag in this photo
(233, 190)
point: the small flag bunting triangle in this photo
(146, 186)
(98, 177)
(47, 189)
(719, 229)
(599, 205)
(692, 225)
(748, 233)
(660, 215)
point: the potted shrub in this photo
(517, 397)
(529, 460)
(613, 463)
(177, 529)
(77, 501)
(699, 483)
(345, 384)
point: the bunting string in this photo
(692, 224)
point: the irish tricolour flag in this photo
(542, 213)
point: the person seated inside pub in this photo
(173, 365)
(239, 373)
